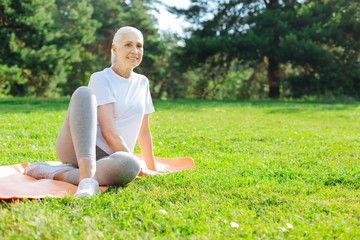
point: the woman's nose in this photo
(134, 50)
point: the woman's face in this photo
(129, 50)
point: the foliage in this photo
(285, 49)
(54, 46)
(40, 38)
(301, 169)
(325, 43)
(10, 76)
(319, 37)
(169, 83)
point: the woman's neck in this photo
(125, 73)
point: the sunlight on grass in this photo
(263, 169)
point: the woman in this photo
(103, 122)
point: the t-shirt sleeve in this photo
(102, 89)
(149, 107)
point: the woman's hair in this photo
(118, 35)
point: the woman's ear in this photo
(114, 49)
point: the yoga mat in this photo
(15, 185)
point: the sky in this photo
(170, 22)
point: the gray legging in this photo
(77, 139)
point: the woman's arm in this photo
(145, 143)
(106, 119)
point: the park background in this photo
(228, 50)
(270, 116)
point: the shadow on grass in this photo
(27, 105)
(274, 106)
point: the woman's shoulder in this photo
(140, 77)
(100, 74)
(99, 78)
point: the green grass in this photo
(260, 164)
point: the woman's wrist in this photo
(152, 167)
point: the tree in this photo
(276, 32)
(324, 45)
(243, 30)
(53, 46)
(20, 23)
(40, 38)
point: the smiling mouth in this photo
(133, 58)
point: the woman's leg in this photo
(76, 141)
(118, 169)
(75, 144)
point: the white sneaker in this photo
(87, 187)
(43, 170)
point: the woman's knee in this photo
(126, 165)
(82, 93)
(126, 161)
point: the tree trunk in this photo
(274, 78)
(273, 68)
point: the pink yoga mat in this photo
(15, 185)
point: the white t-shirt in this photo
(131, 98)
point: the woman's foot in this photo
(87, 187)
(43, 170)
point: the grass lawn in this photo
(263, 169)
